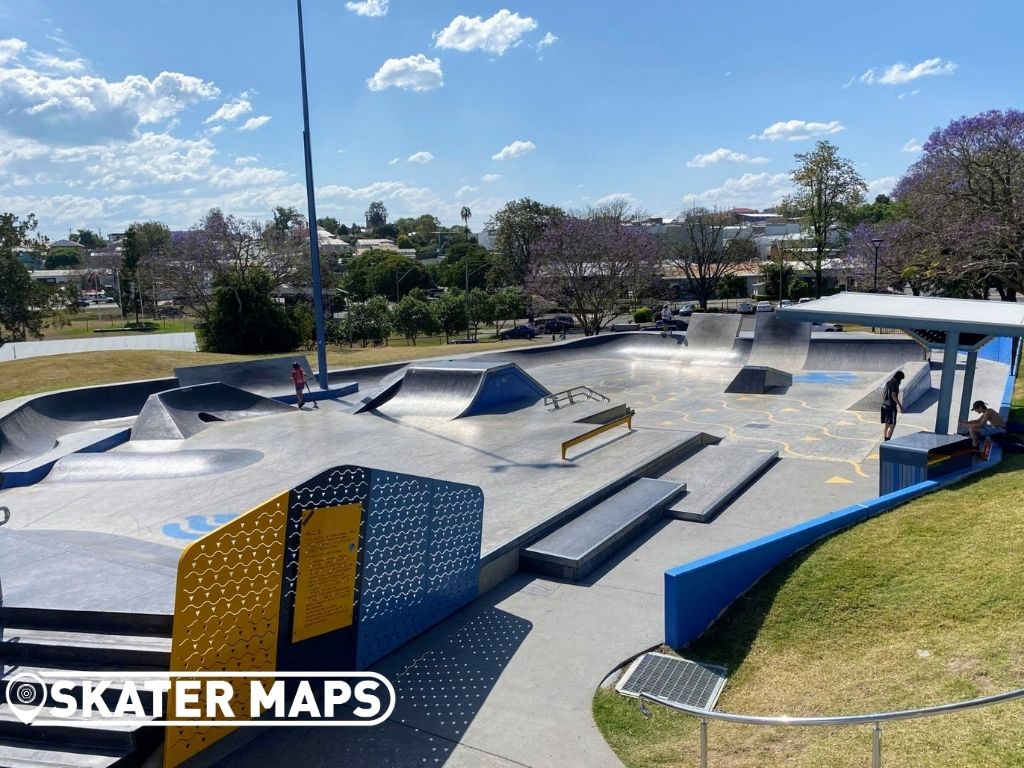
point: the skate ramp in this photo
(780, 344)
(269, 377)
(917, 384)
(758, 380)
(122, 465)
(862, 352)
(458, 389)
(38, 426)
(180, 413)
(712, 339)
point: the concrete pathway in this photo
(179, 342)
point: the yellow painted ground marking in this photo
(844, 423)
(836, 480)
(873, 455)
(809, 439)
(791, 410)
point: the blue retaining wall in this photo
(697, 593)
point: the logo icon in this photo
(26, 695)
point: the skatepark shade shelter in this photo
(950, 324)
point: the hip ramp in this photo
(180, 413)
(457, 389)
(781, 344)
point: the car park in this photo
(745, 308)
(519, 332)
(764, 306)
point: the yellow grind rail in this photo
(626, 420)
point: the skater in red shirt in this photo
(299, 380)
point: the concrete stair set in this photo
(64, 642)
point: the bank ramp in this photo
(456, 389)
(781, 344)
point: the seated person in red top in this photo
(299, 380)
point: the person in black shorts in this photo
(890, 402)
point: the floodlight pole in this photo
(877, 242)
(314, 240)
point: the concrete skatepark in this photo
(700, 469)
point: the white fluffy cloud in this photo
(548, 39)
(882, 186)
(751, 189)
(798, 130)
(618, 197)
(465, 190)
(901, 74)
(245, 159)
(254, 122)
(494, 35)
(83, 108)
(231, 110)
(369, 7)
(55, 63)
(912, 146)
(420, 157)
(415, 73)
(489, 177)
(723, 155)
(513, 150)
(394, 161)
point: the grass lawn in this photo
(921, 606)
(43, 374)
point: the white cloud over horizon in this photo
(371, 8)
(723, 155)
(901, 74)
(515, 149)
(912, 145)
(495, 35)
(420, 157)
(755, 190)
(489, 177)
(798, 130)
(413, 73)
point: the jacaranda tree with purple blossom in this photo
(587, 263)
(965, 201)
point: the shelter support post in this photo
(965, 396)
(949, 355)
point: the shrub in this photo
(643, 315)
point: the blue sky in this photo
(116, 111)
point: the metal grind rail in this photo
(572, 396)
(876, 719)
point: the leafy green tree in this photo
(62, 258)
(516, 228)
(481, 308)
(244, 318)
(770, 275)
(20, 296)
(142, 241)
(88, 238)
(828, 186)
(413, 318)
(450, 311)
(369, 322)
(451, 272)
(303, 320)
(509, 305)
(731, 286)
(285, 219)
(421, 230)
(383, 273)
(329, 223)
(376, 215)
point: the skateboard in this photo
(986, 449)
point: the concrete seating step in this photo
(77, 650)
(575, 549)
(714, 477)
(28, 757)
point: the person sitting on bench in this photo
(988, 423)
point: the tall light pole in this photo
(465, 213)
(314, 240)
(877, 242)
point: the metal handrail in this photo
(570, 394)
(876, 719)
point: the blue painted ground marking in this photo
(838, 379)
(197, 526)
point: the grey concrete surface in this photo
(269, 377)
(714, 477)
(509, 680)
(917, 384)
(779, 344)
(180, 413)
(177, 342)
(759, 380)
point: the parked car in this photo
(764, 306)
(745, 308)
(555, 325)
(519, 332)
(785, 303)
(683, 310)
(820, 326)
(805, 300)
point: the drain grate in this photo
(679, 680)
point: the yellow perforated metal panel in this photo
(226, 612)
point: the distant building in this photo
(375, 244)
(68, 244)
